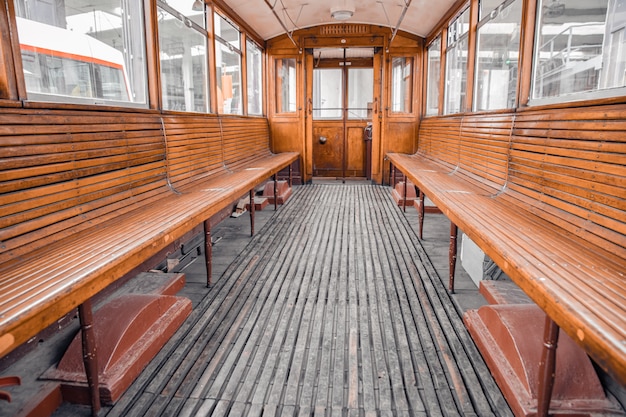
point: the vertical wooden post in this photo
(452, 255)
(90, 358)
(547, 367)
(252, 212)
(420, 214)
(208, 251)
(404, 200)
(275, 193)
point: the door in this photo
(342, 101)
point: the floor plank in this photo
(333, 308)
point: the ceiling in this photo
(420, 18)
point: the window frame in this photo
(457, 40)
(141, 44)
(189, 23)
(219, 42)
(434, 77)
(261, 84)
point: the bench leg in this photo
(275, 192)
(452, 255)
(290, 175)
(420, 214)
(404, 201)
(547, 367)
(90, 359)
(208, 251)
(392, 175)
(252, 212)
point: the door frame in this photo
(309, 63)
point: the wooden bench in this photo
(543, 193)
(86, 197)
(222, 153)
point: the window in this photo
(327, 93)
(183, 57)
(456, 64)
(254, 63)
(228, 66)
(579, 51)
(401, 85)
(497, 55)
(285, 85)
(85, 53)
(360, 93)
(434, 75)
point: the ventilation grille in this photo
(344, 30)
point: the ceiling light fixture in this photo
(198, 6)
(341, 13)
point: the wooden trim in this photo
(418, 100)
(8, 80)
(471, 57)
(527, 45)
(16, 55)
(210, 10)
(243, 70)
(442, 69)
(155, 98)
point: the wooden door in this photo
(342, 96)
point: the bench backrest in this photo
(570, 165)
(567, 165)
(194, 148)
(61, 171)
(476, 146)
(200, 146)
(484, 148)
(244, 140)
(439, 139)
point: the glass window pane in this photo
(497, 57)
(183, 64)
(360, 93)
(285, 85)
(579, 49)
(327, 93)
(225, 30)
(184, 9)
(89, 52)
(458, 27)
(254, 63)
(456, 77)
(228, 65)
(487, 6)
(401, 85)
(434, 75)
(456, 64)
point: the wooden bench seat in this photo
(547, 203)
(86, 197)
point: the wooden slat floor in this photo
(332, 309)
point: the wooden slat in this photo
(319, 317)
(87, 196)
(557, 227)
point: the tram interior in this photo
(454, 170)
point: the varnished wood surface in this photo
(88, 196)
(555, 221)
(332, 309)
